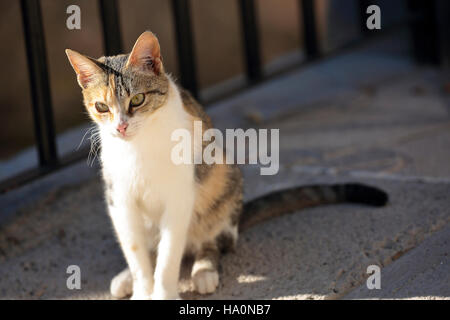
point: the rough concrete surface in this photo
(428, 279)
(391, 130)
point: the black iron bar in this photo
(424, 31)
(39, 83)
(443, 26)
(251, 40)
(185, 45)
(362, 6)
(310, 29)
(112, 39)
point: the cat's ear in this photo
(146, 54)
(87, 70)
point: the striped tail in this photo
(290, 200)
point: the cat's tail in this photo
(290, 200)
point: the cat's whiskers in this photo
(95, 145)
(85, 134)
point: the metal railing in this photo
(429, 46)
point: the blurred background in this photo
(218, 33)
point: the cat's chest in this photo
(136, 179)
(145, 171)
(145, 165)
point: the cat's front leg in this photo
(129, 226)
(174, 229)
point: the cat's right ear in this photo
(87, 71)
(146, 54)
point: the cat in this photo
(166, 210)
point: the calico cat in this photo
(157, 206)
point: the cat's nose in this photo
(122, 127)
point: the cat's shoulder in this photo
(193, 107)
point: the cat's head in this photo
(122, 91)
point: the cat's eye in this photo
(137, 100)
(101, 107)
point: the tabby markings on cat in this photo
(162, 211)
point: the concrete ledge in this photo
(422, 273)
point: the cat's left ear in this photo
(146, 54)
(87, 70)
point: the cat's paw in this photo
(142, 290)
(205, 281)
(141, 296)
(122, 284)
(165, 295)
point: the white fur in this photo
(151, 193)
(205, 281)
(122, 284)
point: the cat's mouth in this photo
(123, 135)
